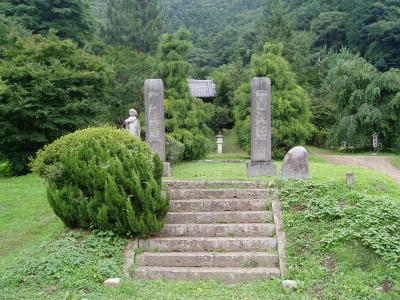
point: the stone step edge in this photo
(178, 184)
(224, 274)
(221, 199)
(208, 244)
(220, 217)
(218, 230)
(207, 259)
(224, 193)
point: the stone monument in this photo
(155, 125)
(220, 142)
(261, 163)
(295, 164)
(132, 124)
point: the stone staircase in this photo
(214, 230)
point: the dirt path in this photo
(378, 163)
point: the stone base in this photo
(261, 168)
(167, 169)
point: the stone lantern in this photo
(375, 142)
(220, 142)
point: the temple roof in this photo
(202, 88)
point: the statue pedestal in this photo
(261, 168)
(167, 169)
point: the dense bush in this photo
(290, 103)
(197, 145)
(104, 178)
(174, 149)
(48, 88)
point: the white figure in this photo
(132, 124)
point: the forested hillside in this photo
(219, 28)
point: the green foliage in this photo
(374, 31)
(330, 29)
(174, 149)
(104, 178)
(290, 103)
(5, 169)
(276, 22)
(367, 101)
(133, 23)
(227, 79)
(353, 215)
(74, 261)
(131, 69)
(48, 88)
(69, 18)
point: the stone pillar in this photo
(155, 125)
(261, 163)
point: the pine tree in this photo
(136, 24)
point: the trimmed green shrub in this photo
(106, 179)
(174, 149)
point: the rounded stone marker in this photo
(113, 282)
(295, 164)
(290, 284)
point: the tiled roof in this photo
(202, 88)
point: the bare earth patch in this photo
(378, 163)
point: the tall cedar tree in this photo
(69, 18)
(186, 117)
(174, 67)
(136, 24)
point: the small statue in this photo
(132, 124)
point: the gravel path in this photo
(378, 163)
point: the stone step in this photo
(228, 193)
(219, 217)
(218, 230)
(205, 259)
(204, 205)
(228, 275)
(187, 184)
(211, 244)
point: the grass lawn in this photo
(26, 220)
(39, 259)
